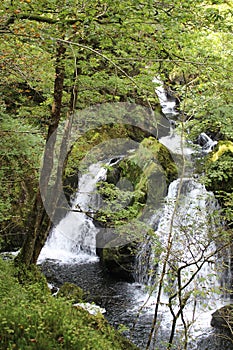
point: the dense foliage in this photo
(113, 50)
(21, 147)
(58, 57)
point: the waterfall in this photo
(193, 277)
(145, 266)
(206, 142)
(188, 215)
(188, 218)
(74, 238)
(173, 141)
(168, 103)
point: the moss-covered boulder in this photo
(70, 291)
(218, 168)
(134, 189)
(136, 184)
(120, 261)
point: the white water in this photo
(168, 104)
(174, 141)
(74, 238)
(186, 216)
(191, 247)
(206, 142)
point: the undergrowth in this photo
(31, 318)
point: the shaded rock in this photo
(223, 318)
(120, 261)
(215, 340)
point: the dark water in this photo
(122, 301)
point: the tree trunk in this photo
(40, 221)
(53, 195)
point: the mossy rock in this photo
(148, 171)
(158, 153)
(120, 261)
(72, 292)
(137, 183)
(98, 141)
(120, 251)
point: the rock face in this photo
(134, 189)
(222, 319)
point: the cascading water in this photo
(168, 104)
(173, 141)
(73, 239)
(185, 215)
(189, 218)
(206, 142)
(186, 230)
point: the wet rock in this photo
(120, 261)
(223, 318)
(214, 340)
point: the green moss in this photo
(89, 141)
(146, 175)
(33, 319)
(72, 292)
(98, 141)
(153, 150)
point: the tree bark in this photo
(40, 221)
(54, 194)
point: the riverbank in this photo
(31, 318)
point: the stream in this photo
(69, 256)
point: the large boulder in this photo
(134, 189)
(223, 318)
(120, 261)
